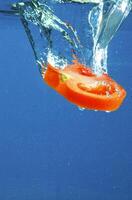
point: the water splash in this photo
(38, 13)
(105, 19)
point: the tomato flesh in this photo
(81, 86)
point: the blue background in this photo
(49, 150)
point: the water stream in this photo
(105, 20)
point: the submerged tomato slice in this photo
(81, 86)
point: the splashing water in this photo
(105, 19)
(49, 28)
(45, 29)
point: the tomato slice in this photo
(81, 86)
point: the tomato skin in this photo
(52, 76)
(82, 87)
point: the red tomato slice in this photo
(81, 86)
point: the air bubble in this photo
(107, 111)
(81, 108)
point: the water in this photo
(48, 148)
(100, 24)
(53, 32)
(105, 20)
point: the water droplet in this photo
(107, 111)
(81, 108)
